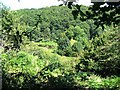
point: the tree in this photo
(103, 55)
(103, 13)
(64, 47)
(12, 29)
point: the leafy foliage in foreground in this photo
(101, 12)
(25, 71)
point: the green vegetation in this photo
(48, 49)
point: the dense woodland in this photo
(56, 48)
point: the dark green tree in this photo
(12, 29)
(103, 55)
(103, 13)
(64, 47)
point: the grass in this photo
(49, 53)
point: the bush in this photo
(17, 68)
(22, 71)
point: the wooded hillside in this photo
(49, 48)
